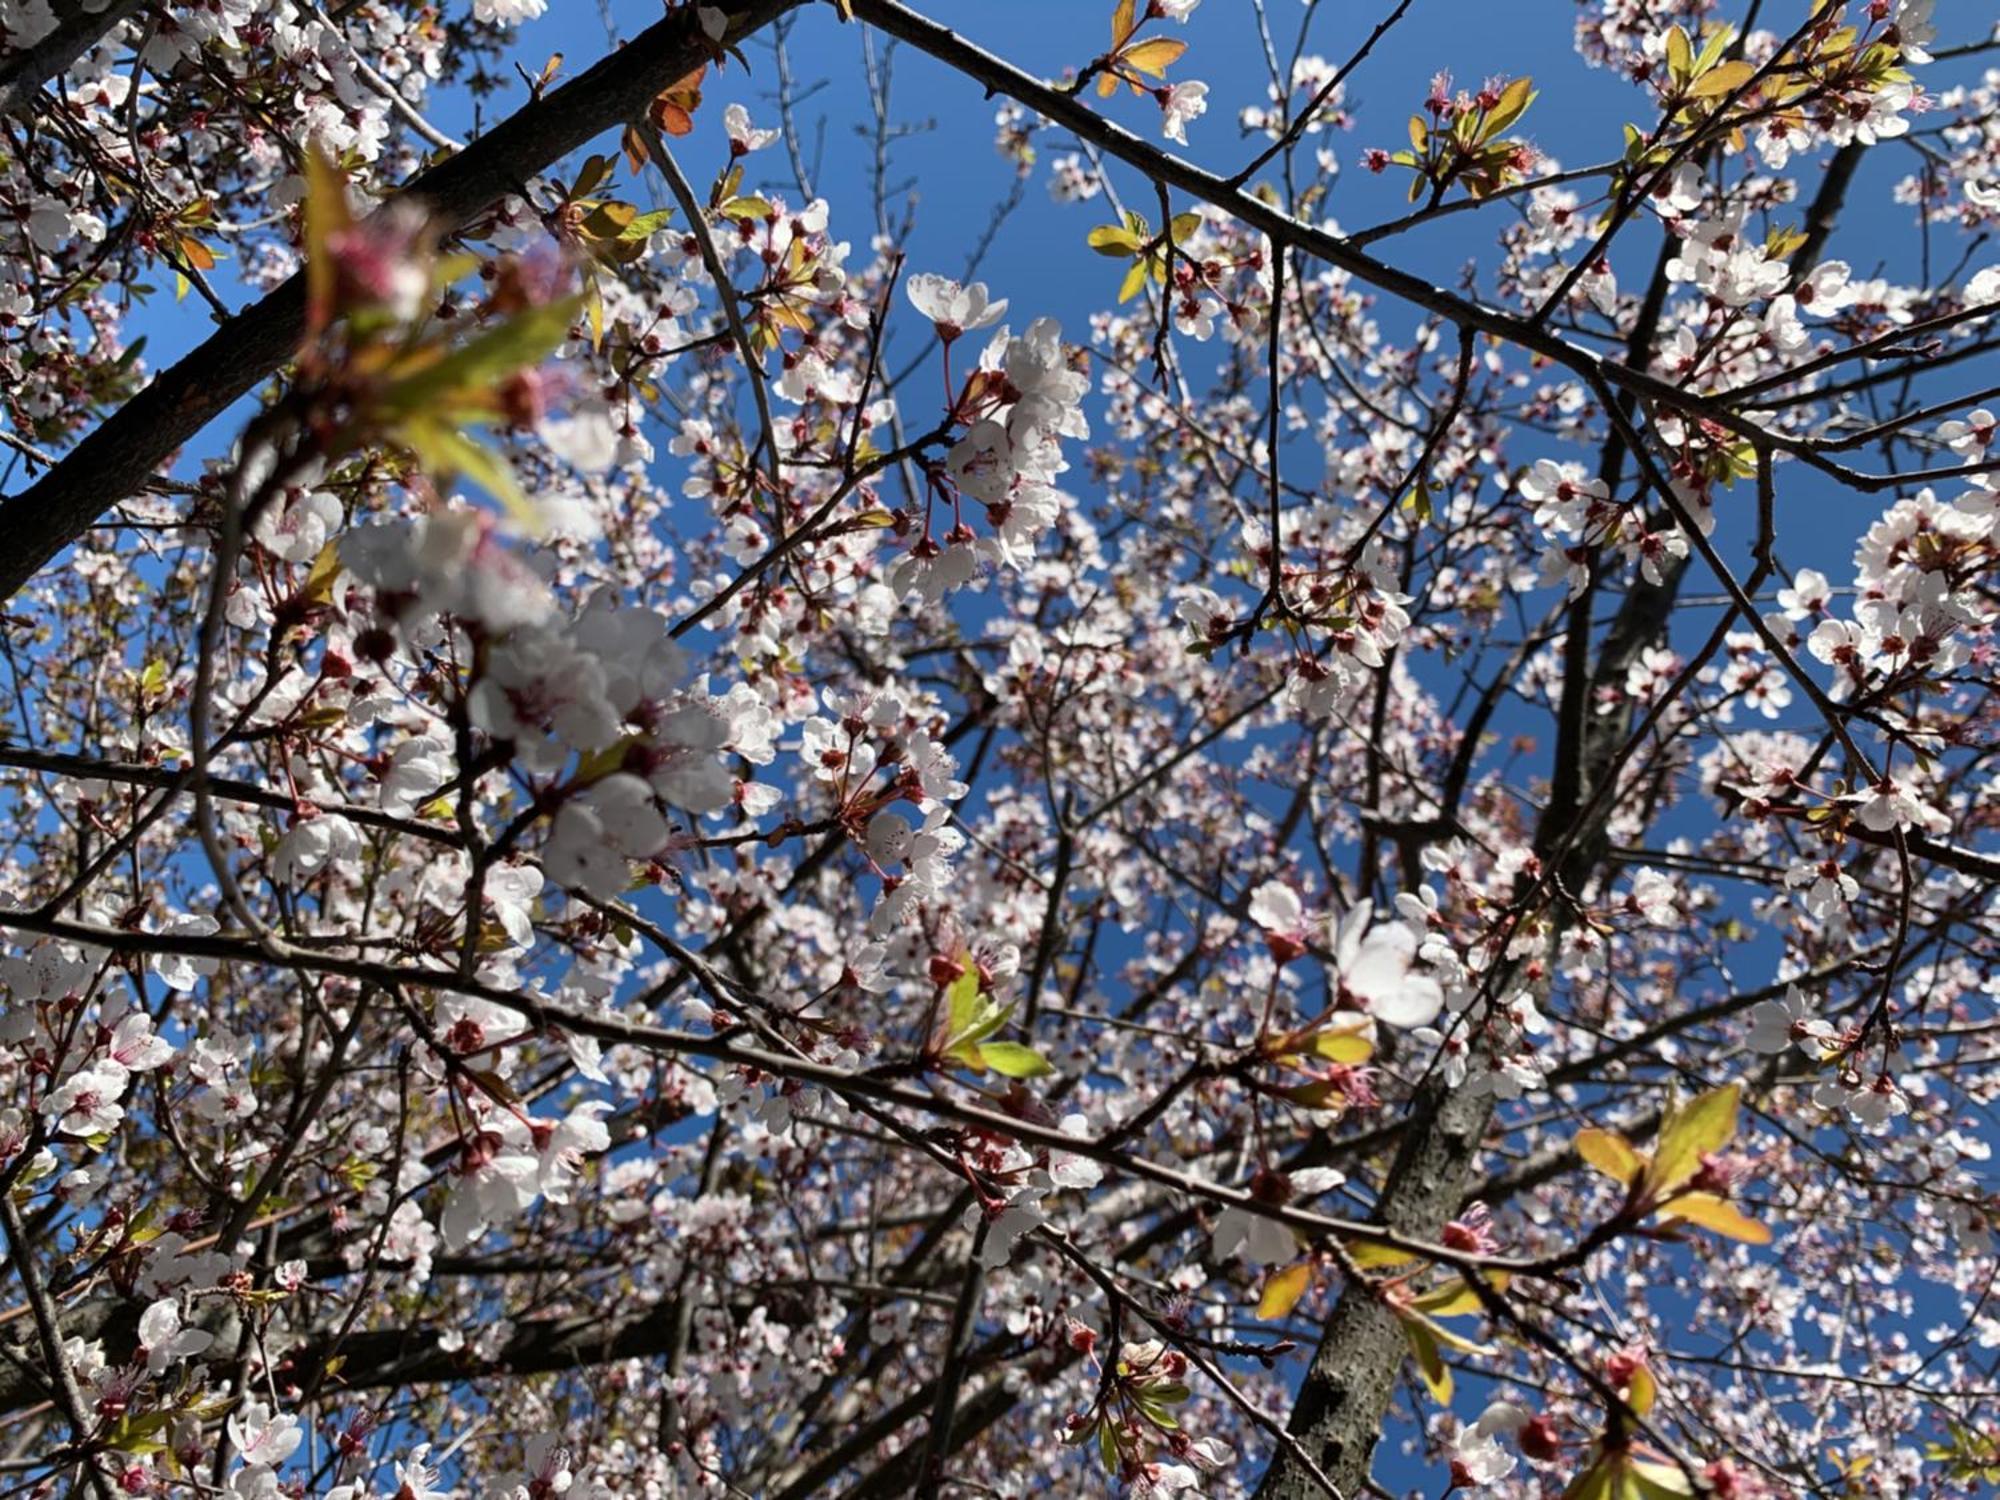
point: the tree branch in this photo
(121, 455)
(79, 27)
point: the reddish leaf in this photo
(672, 109)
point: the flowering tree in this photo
(692, 858)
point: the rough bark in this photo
(1338, 1415)
(1346, 1393)
(1347, 1390)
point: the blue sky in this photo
(1039, 259)
(945, 167)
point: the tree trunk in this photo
(1338, 1416)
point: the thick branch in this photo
(123, 453)
(394, 1356)
(79, 27)
(1247, 208)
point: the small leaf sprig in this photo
(1461, 140)
(375, 369)
(1682, 1181)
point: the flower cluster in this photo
(1016, 407)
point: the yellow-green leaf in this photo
(1452, 1339)
(1369, 1254)
(1455, 1299)
(325, 716)
(1719, 37)
(520, 342)
(325, 215)
(1014, 1060)
(1346, 1047)
(1594, 1483)
(1611, 1154)
(1642, 1392)
(138, 1433)
(1124, 22)
(1703, 1125)
(593, 307)
(1283, 1290)
(1155, 55)
(1680, 56)
(1514, 102)
(325, 569)
(1430, 1360)
(599, 764)
(1113, 239)
(1724, 78)
(1658, 1481)
(593, 175)
(444, 450)
(608, 220)
(1720, 1216)
(962, 1002)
